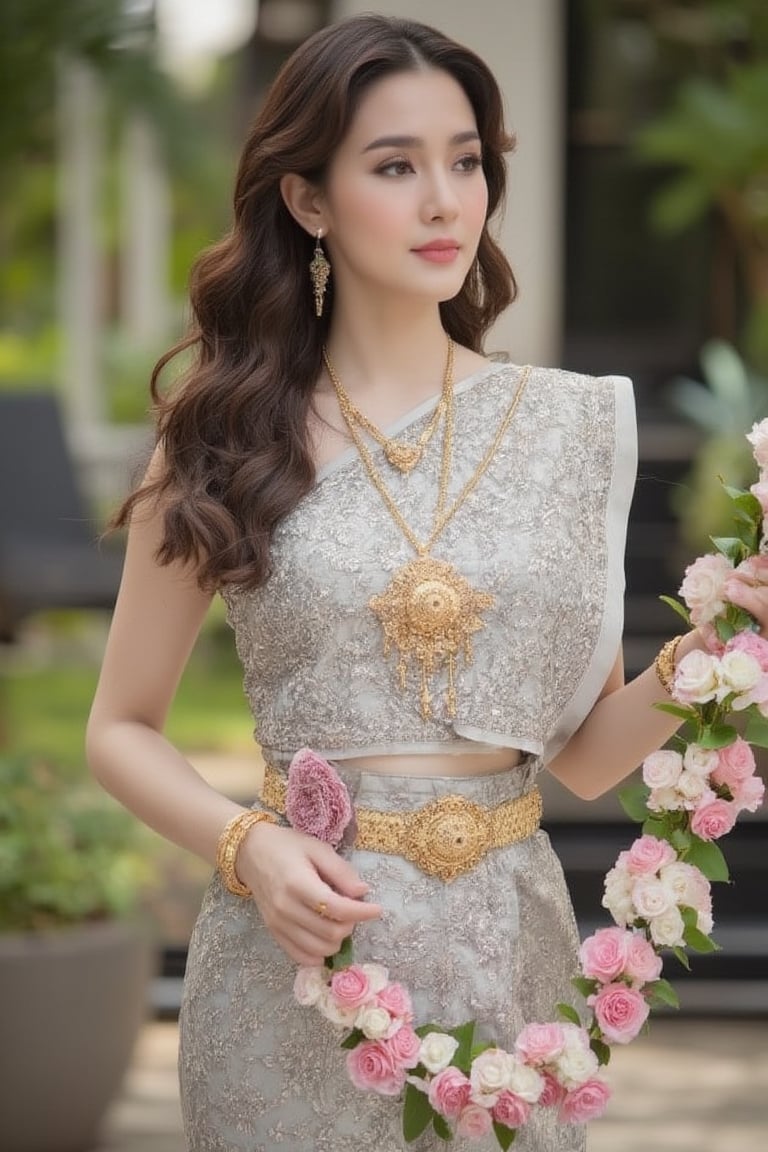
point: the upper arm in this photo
(157, 617)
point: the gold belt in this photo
(445, 838)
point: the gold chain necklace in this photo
(402, 456)
(428, 610)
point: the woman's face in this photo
(405, 198)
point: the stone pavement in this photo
(689, 1086)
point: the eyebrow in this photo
(416, 141)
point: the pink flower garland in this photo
(658, 892)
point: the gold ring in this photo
(321, 908)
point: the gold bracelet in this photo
(665, 664)
(229, 845)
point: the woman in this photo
(421, 554)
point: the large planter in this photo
(71, 1004)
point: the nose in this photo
(439, 201)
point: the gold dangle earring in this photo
(319, 271)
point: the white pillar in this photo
(523, 43)
(145, 249)
(79, 267)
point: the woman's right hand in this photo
(309, 897)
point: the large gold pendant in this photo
(429, 611)
(402, 456)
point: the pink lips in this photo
(439, 251)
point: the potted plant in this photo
(74, 966)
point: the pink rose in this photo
(643, 964)
(713, 818)
(317, 801)
(604, 954)
(620, 1012)
(396, 1000)
(749, 795)
(586, 1102)
(404, 1047)
(703, 587)
(758, 438)
(371, 1067)
(350, 987)
(736, 763)
(474, 1122)
(662, 769)
(648, 854)
(553, 1091)
(449, 1092)
(510, 1110)
(540, 1043)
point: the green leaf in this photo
(725, 630)
(678, 710)
(354, 1038)
(680, 955)
(718, 736)
(660, 827)
(690, 916)
(584, 985)
(756, 731)
(464, 1033)
(601, 1050)
(633, 800)
(424, 1029)
(343, 958)
(441, 1127)
(746, 502)
(680, 839)
(698, 941)
(662, 992)
(568, 1012)
(708, 858)
(731, 547)
(504, 1135)
(677, 607)
(417, 1113)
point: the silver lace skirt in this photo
(497, 945)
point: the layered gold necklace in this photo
(400, 455)
(429, 611)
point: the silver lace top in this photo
(543, 532)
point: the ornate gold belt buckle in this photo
(447, 836)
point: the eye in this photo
(470, 162)
(397, 167)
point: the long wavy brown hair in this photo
(234, 429)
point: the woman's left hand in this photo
(748, 589)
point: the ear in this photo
(304, 202)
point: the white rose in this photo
(329, 1008)
(700, 761)
(662, 769)
(525, 1081)
(309, 985)
(665, 800)
(703, 587)
(687, 885)
(758, 438)
(436, 1051)
(373, 1021)
(696, 679)
(378, 976)
(739, 672)
(650, 897)
(618, 895)
(667, 929)
(705, 921)
(489, 1075)
(691, 788)
(575, 1065)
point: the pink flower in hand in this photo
(397, 1001)
(553, 1093)
(620, 1012)
(735, 764)
(648, 854)
(586, 1102)
(372, 1068)
(350, 987)
(540, 1043)
(317, 801)
(713, 818)
(449, 1092)
(703, 587)
(404, 1047)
